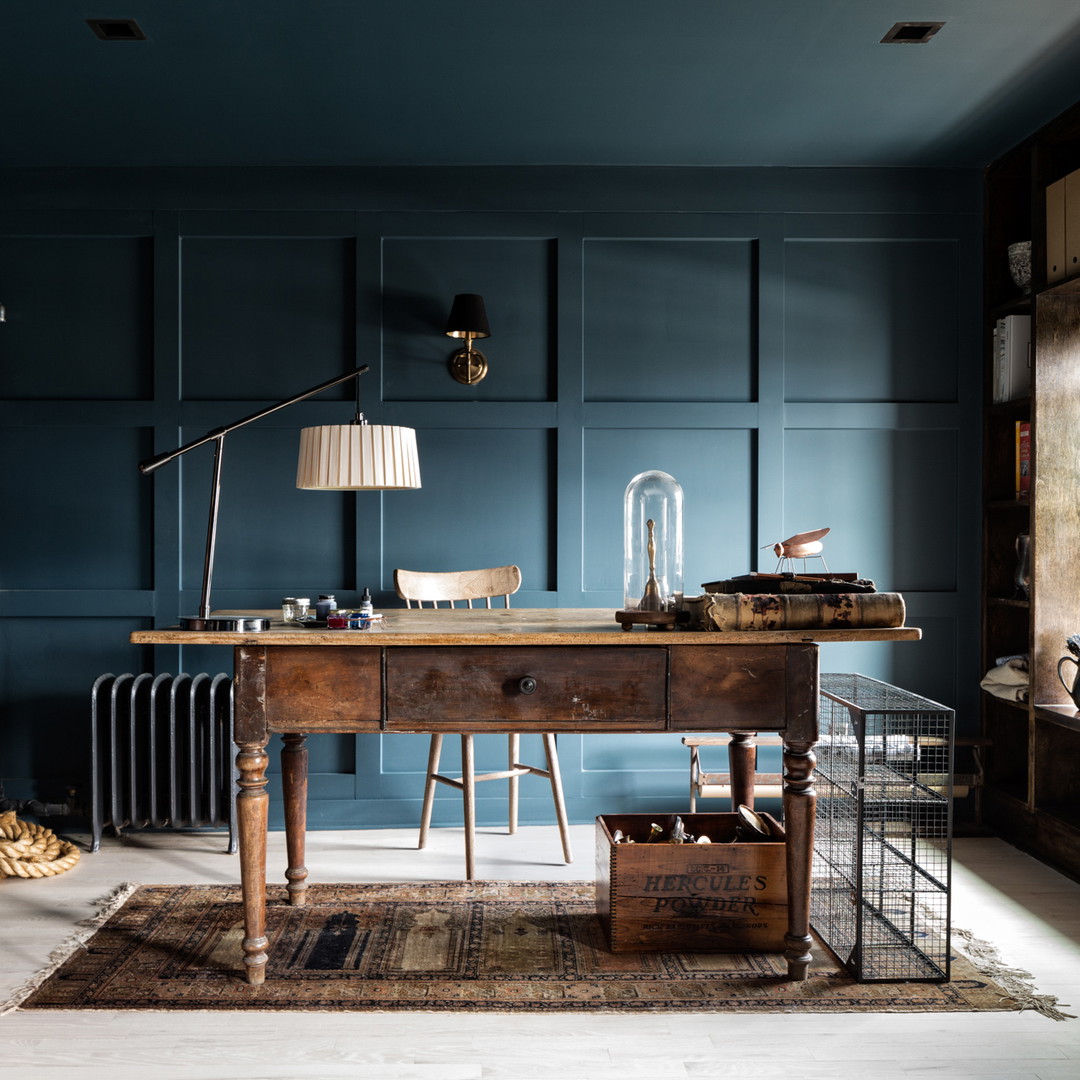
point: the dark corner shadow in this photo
(1014, 109)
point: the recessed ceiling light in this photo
(116, 29)
(911, 33)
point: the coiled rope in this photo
(32, 851)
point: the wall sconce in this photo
(3, 313)
(468, 320)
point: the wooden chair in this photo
(418, 588)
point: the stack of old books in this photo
(793, 602)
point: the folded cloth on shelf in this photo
(1008, 679)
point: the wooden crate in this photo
(718, 897)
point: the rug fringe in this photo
(104, 908)
(1016, 982)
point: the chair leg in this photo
(557, 794)
(468, 791)
(513, 743)
(429, 788)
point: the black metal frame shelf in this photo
(883, 840)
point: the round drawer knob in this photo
(527, 685)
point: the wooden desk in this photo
(556, 669)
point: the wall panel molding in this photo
(671, 319)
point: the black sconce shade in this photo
(468, 318)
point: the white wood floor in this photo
(1030, 912)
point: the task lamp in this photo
(339, 457)
(468, 320)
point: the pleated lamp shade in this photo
(357, 457)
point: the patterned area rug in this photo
(484, 946)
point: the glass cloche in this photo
(653, 543)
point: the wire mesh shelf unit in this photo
(883, 837)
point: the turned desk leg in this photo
(742, 765)
(294, 783)
(252, 804)
(799, 808)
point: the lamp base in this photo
(237, 624)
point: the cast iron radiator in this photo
(162, 753)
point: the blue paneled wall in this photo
(798, 348)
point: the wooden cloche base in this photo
(662, 620)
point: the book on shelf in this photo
(1012, 357)
(1023, 459)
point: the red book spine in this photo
(1023, 459)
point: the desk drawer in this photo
(524, 688)
(309, 688)
(743, 687)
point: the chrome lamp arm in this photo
(203, 621)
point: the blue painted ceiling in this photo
(526, 82)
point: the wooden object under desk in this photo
(742, 753)
(722, 785)
(590, 676)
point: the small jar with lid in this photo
(324, 605)
(295, 608)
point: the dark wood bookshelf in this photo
(1032, 794)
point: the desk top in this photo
(505, 626)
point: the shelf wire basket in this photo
(883, 837)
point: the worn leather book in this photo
(779, 611)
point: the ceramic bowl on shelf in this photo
(1020, 265)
